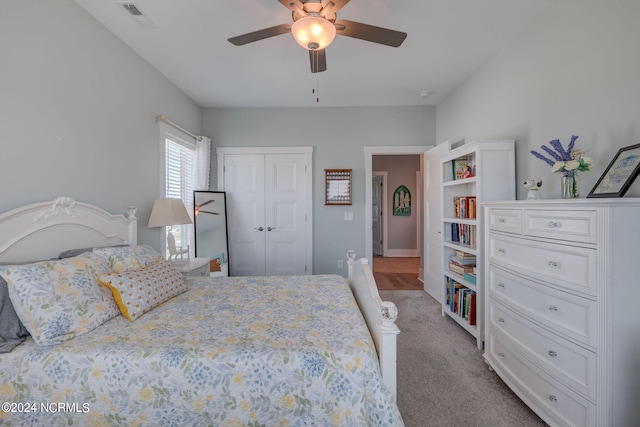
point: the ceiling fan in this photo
(199, 210)
(314, 28)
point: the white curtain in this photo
(200, 180)
(202, 163)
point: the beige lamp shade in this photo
(167, 212)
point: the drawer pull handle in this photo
(553, 308)
(554, 224)
(501, 354)
(554, 264)
(552, 398)
(502, 220)
(500, 319)
(553, 353)
(501, 285)
(502, 251)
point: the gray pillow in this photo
(70, 253)
(12, 331)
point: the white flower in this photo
(572, 165)
(557, 166)
(587, 160)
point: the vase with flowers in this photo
(567, 162)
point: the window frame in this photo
(176, 136)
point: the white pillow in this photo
(125, 258)
(141, 290)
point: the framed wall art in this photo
(337, 187)
(620, 174)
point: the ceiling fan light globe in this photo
(313, 32)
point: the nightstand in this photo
(193, 267)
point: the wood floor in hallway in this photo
(394, 279)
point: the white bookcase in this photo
(490, 175)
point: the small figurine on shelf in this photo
(533, 184)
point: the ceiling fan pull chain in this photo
(315, 78)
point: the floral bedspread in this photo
(252, 351)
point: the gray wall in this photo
(402, 231)
(338, 137)
(573, 71)
(78, 110)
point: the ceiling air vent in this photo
(132, 9)
(137, 15)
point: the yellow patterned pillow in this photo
(139, 291)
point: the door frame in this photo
(308, 203)
(369, 152)
(383, 202)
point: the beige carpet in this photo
(388, 265)
(443, 381)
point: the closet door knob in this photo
(259, 228)
(270, 228)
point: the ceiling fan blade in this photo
(318, 59)
(260, 34)
(204, 203)
(292, 4)
(370, 33)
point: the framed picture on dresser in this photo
(620, 174)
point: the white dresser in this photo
(562, 302)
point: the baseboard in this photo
(402, 253)
(421, 274)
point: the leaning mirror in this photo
(210, 227)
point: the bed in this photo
(222, 351)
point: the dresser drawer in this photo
(566, 266)
(567, 314)
(554, 402)
(507, 220)
(572, 226)
(567, 362)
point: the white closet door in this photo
(244, 184)
(285, 214)
(432, 226)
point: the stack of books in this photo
(462, 262)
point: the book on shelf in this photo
(460, 269)
(470, 277)
(464, 207)
(472, 310)
(471, 207)
(462, 301)
(464, 255)
(464, 234)
(461, 168)
(463, 261)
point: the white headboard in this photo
(42, 230)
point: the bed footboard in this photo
(379, 315)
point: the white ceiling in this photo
(447, 40)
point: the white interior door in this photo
(376, 214)
(285, 214)
(244, 184)
(432, 224)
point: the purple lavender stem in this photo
(552, 153)
(558, 146)
(572, 143)
(541, 157)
